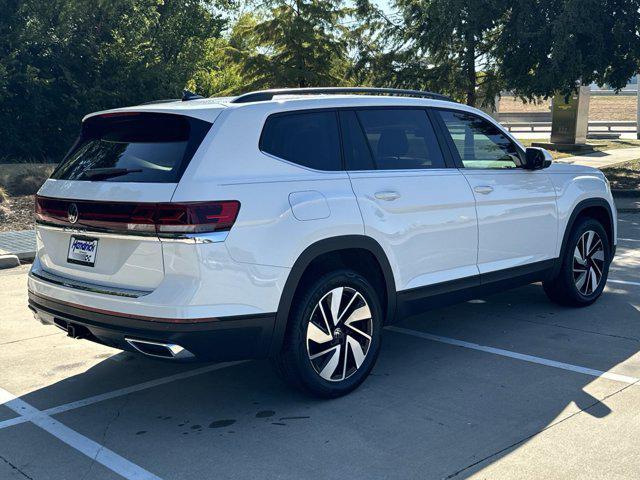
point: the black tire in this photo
(294, 363)
(563, 289)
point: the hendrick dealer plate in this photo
(82, 250)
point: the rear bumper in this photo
(215, 339)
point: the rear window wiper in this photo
(104, 173)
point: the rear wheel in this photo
(584, 268)
(333, 335)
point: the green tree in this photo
(546, 46)
(220, 71)
(442, 45)
(300, 43)
(66, 58)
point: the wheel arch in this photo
(328, 246)
(598, 208)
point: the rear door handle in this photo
(483, 189)
(387, 195)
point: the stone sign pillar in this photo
(570, 118)
(638, 110)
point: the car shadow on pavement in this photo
(428, 410)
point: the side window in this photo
(309, 139)
(401, 139)
(479, 143)
(357, 155)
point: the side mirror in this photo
(536, 158)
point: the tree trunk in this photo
(470, 68)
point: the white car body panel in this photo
(429, 233)
(575, 184)
(517, 220)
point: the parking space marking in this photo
(95, 451)
(519, 356)
(623, 282)
(25, 417)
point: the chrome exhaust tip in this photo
(159, 349)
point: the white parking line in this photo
(95, 451)
(25, 417)
(519, 356)
(623, 282)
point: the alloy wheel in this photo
(588, 262)
(339, 334)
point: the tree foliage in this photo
(442, 45)
(62, 59)
(549, 45)
(300, 45)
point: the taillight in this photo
(196, 217)
(160, 218)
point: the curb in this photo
(625, 193)
(9, 261)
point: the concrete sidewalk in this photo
(604, 158)
(16, 246)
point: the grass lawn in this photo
(624, 175)
(598, 145)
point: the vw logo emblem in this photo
(72, 213)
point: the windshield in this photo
(133, 147)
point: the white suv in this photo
(295, 224)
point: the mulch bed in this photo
(18, 214)
(624, 175)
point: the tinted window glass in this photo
(401, 139)
(479, 143)
(144, 147)
(357, 154)
(308, 139)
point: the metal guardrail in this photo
(622, 126)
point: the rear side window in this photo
(308, 139)
(357, 154)
(133, 147)
(401, 139)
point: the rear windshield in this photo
(133, 147)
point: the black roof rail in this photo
(265, 95)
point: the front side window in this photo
(309, 139)
(479, 143)
(400, 139)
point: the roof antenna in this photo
(188, 95)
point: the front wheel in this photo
(333, 335)
(584, 268)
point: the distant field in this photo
(600, 107)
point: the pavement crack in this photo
(582, 330)
(104, 436)
(15, 467)
(30, 338)
(548, 427)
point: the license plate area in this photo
(82, 250)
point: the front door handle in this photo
(483, 189)
(387, 195)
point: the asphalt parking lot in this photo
(508, 386)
